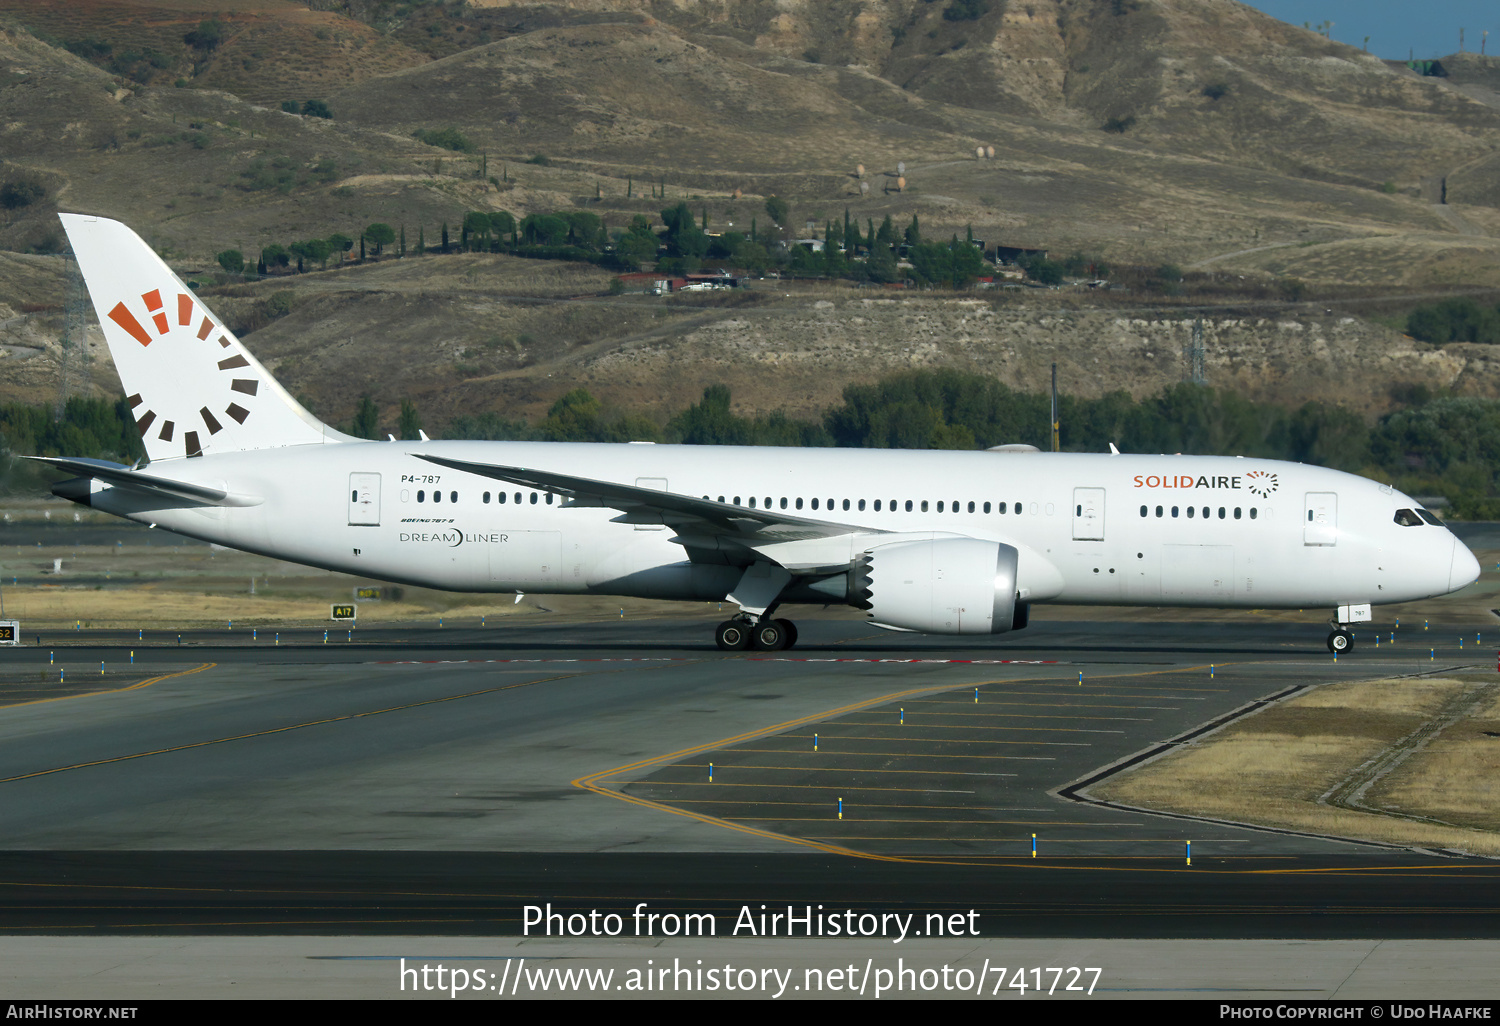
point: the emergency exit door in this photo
(1088, 514)
(364, 500)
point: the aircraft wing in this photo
(121, 476)
(690, 514)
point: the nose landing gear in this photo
(1340, 641)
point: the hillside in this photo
(1193, 132)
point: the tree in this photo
(316, 109)
(207, 36)
(379, 235)
(502, 223)
(445, 138)
(779, 209)
(683, 237)
(366, 419)
(913, 232)
(339, 244)
(275, 255)
(411, 424)
(638, 244)
(965, 10)
(476, 227)
(232, 260)
(21, 192)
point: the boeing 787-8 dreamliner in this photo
(936, 542)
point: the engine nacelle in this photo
(941, 586)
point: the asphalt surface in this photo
(435, 780)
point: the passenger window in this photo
(736, 500)
(1143, 511)
(1252, 512)
(354, 495)
(453, 497)
(1429, 517)
(940, 506)
(987, 508)
(437, 496)
(549, 497)
(752, 502)
(1174, 512)
(1206, 512)
(799, 502)
(924, 505)
(971, 508)
(486, 498)
(908, 505)
(518, 498)
(721, 498)
(1236, 512)
(421, 495)
(533, 498)
(499, 496)
(861, 505)
(1159, 511)
(1221, 512)
(1191, 510)
(1018, 509)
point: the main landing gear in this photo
(764, 636)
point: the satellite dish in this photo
(979, 153)
(901, 185)
(900, 167)
(859, 170)
(989, 151)
(864, 188)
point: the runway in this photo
(281, 756)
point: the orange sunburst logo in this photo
(186, 313)
(1261, 482)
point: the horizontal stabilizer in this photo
(121, 476)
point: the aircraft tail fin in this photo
(193, 388)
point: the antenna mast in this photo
(1055, 446)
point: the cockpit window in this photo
(1408, 518)
(1431, 518)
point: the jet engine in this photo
(941, 586)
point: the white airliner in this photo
(936, 542)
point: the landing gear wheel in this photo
(732, 635)
(790, 630)
(1340, 641)
(768, 636)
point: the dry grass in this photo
(1273, 768)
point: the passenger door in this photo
(364, 500)
(1320, 519)
(1088, 514)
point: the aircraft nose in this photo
(1464, 569)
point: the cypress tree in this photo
(445, 236)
